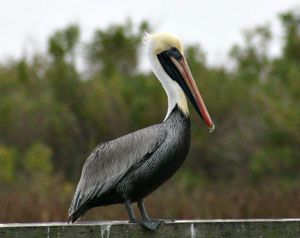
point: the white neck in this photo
(173, 90)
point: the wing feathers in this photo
(110, 161)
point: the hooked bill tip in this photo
(212, 128)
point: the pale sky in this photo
(214, 24)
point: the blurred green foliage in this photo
(52, 115)
(38, 159)
(8, 164)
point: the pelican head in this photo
(170, 67)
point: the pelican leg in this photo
(147, 222)
(132, 218)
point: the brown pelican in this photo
(129, 168)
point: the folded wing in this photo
(109, 162)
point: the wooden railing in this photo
(265, 228)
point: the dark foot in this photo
(151, 224)
(133, 221)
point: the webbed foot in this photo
(151, 224)
(133, 220)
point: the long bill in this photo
(196, 99)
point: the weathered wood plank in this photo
(265, 228)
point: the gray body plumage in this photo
(132, 166)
